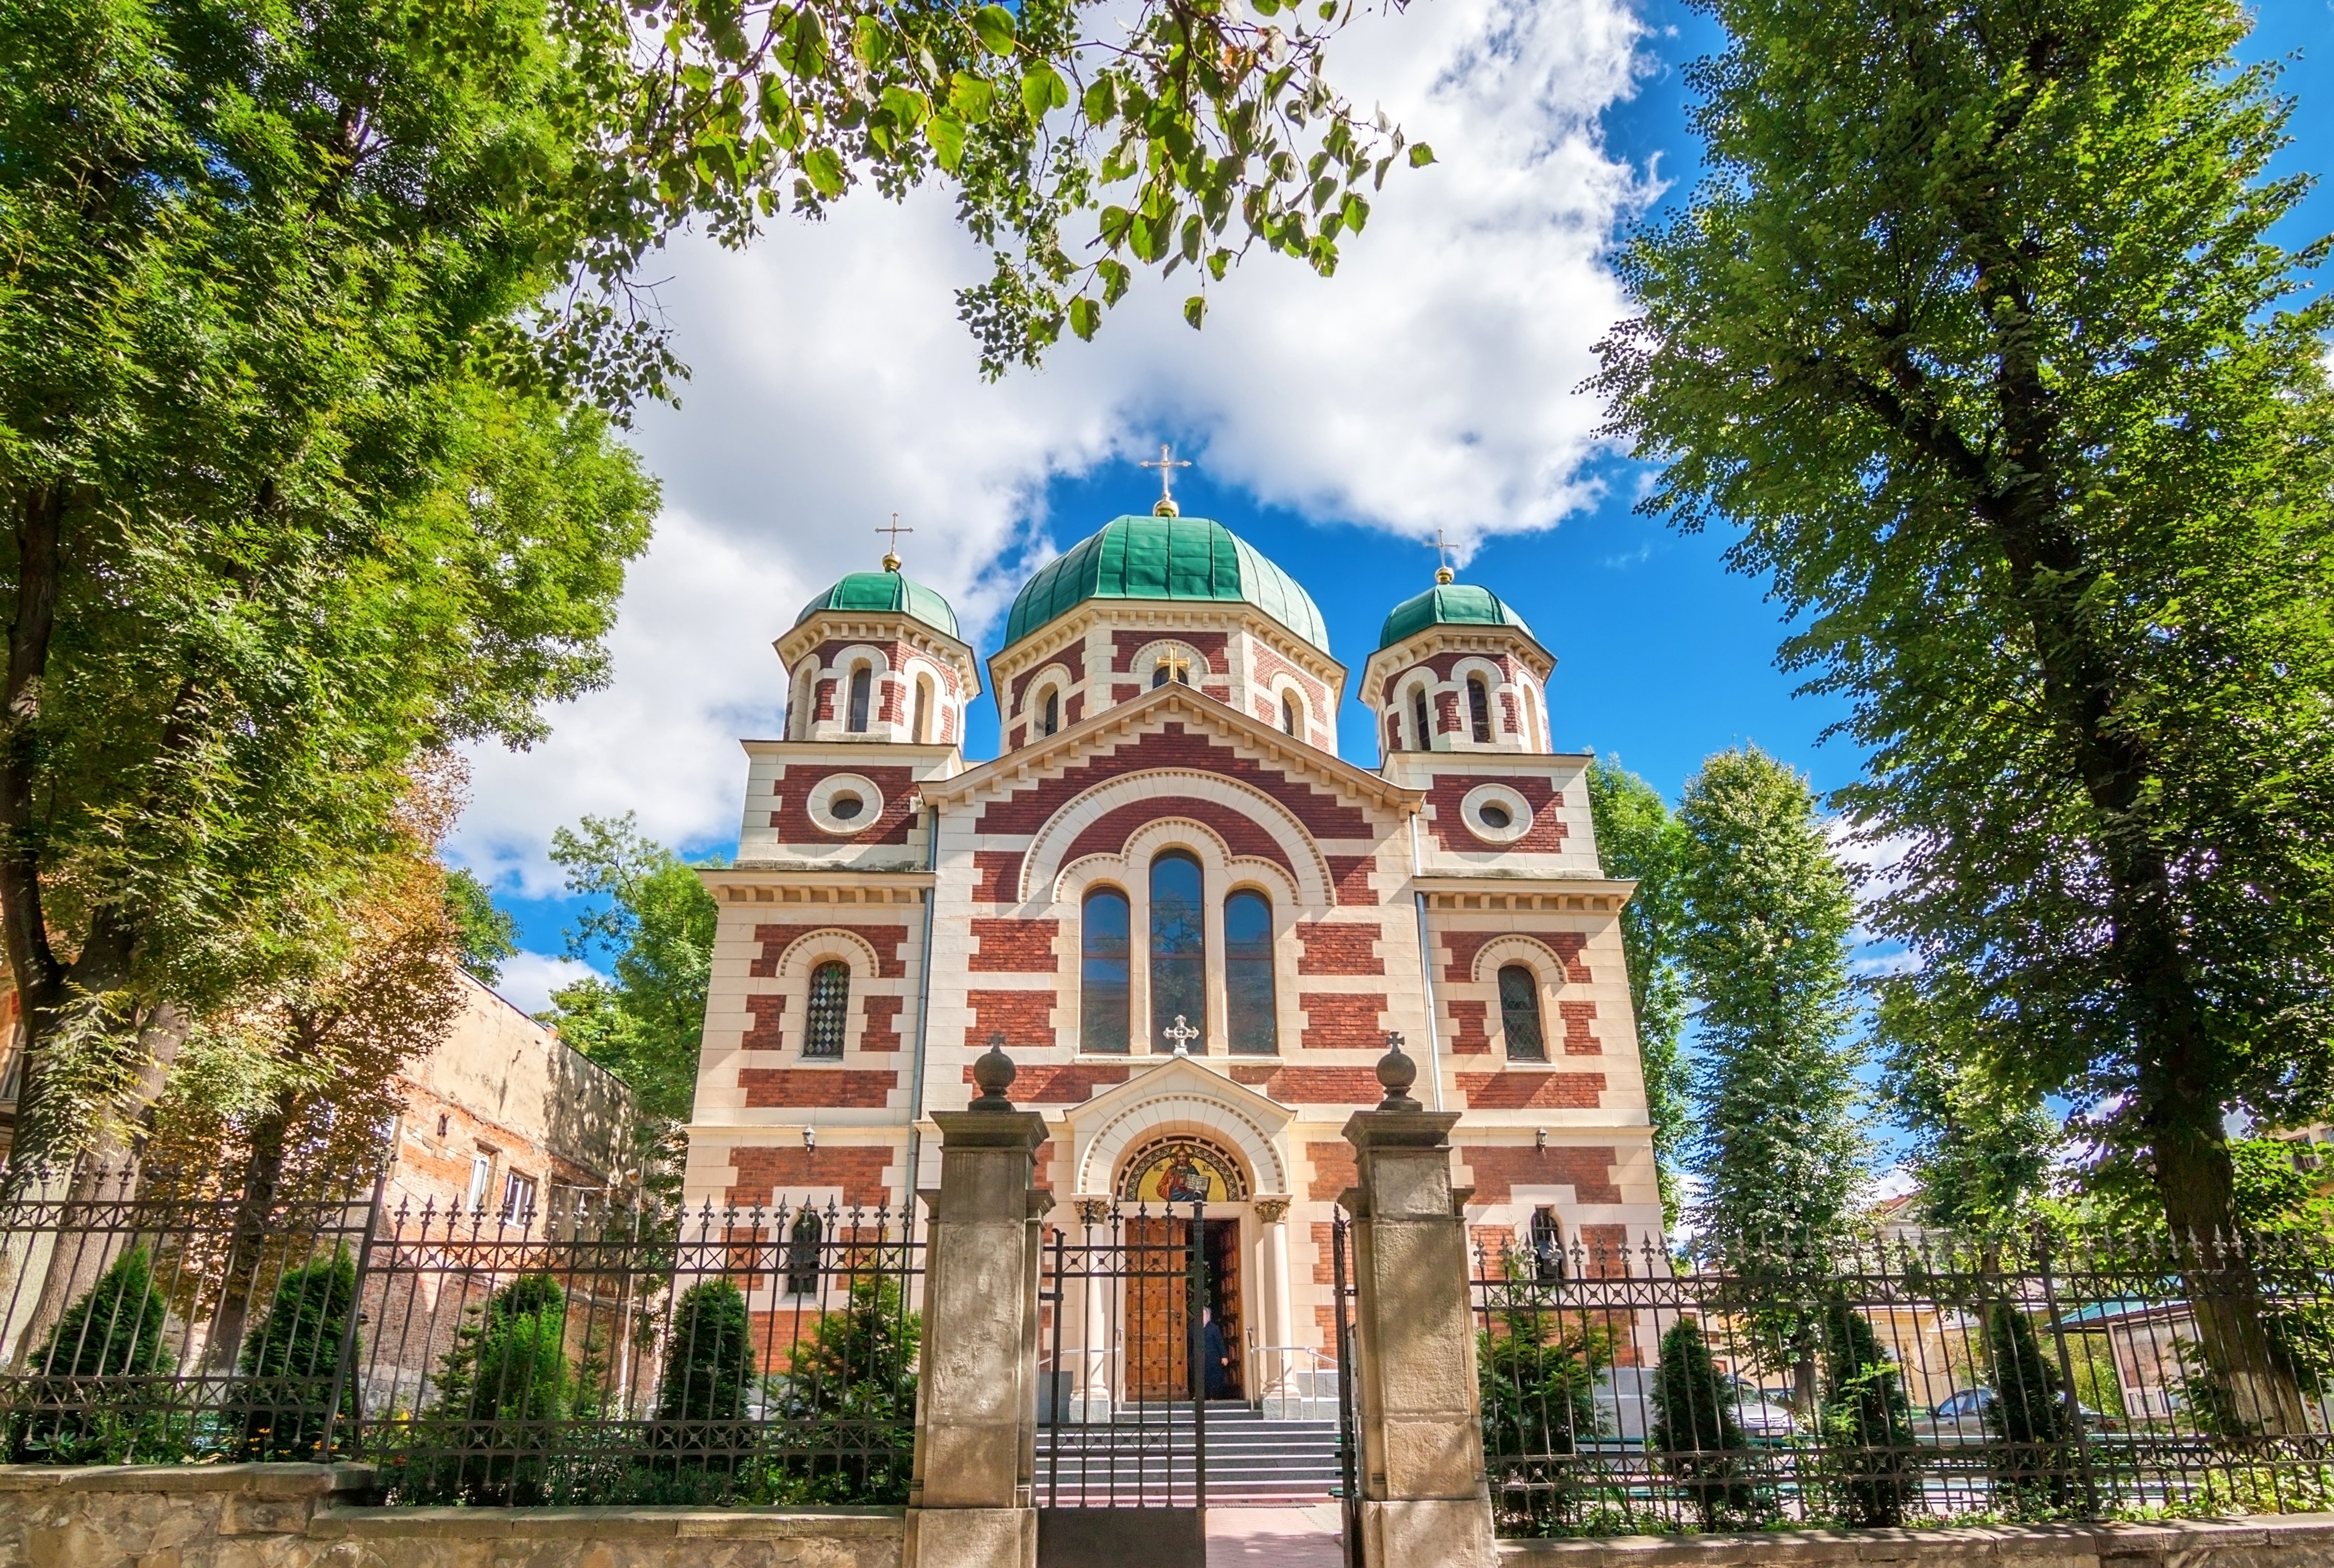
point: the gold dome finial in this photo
(891, 555)
(1443, 575)
(1167, 464)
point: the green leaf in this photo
(947, 137)
(1084, 317)
(994, 24)
(1421, 154)
(972, 98)
(870, 40)
(1195, 310)
(906, 107)
(1116, 222)
(1195, 234)
(823, 165)
(1116, 276)
(1042, 89)
(1101, 101)
(1355, 211)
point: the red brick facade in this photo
(1025, 1018)
(1468, 1038)
(1518, 1091)
(1329, 948)
(775, 1088)
(883, 1028)
(1338, 1021)
(1500, 1169)
(1449, 825)
(765, 1175)
(1027, 809)
(1014, 947)
(1564, 946)
(888, 826)
(885, 940)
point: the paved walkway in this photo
(1275, 1537)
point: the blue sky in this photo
(1663, 656)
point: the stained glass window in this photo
(1520, 1014)
(1249, 998)
(1102, 973)
(1179, 949)
(830, 1006)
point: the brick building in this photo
(1192, 923)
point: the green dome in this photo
(881, 593)
(1183, 558)
(1447, 604)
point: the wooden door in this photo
(1224, 1297)
(1157, 1345)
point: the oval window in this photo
(1494, 814)
(844, 807)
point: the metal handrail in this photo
(1313, 1398)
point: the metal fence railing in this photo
(612, 1355)
(1906, 1379)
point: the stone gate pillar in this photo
(1424, 1501)
(970, 1504)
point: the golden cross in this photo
(1166, 464)
(892, 553)
(1442, 572)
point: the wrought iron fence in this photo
(1909, 1379)
(612, 1355)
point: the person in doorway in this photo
(1218, 1354)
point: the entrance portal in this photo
(1222, 1247)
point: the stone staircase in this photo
(1143, 1456)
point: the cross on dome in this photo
(892, 551)
(1442, 572)
(1167, 464)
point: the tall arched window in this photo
(1179, 949)
(863, 682)
(1422, 732)
(1479, 709)
(1519, 1015)
(1102, 973)
(922, 728)
(802, 1253)
(1292, 718)
(1249, 1008)
(802, 711)
(830, 1009)
(1051, 720)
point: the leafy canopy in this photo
(1976, 339)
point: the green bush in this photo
(2027, 1415)
(94, 1380)
(290, 1361)
(1867, 1423)
(848, 1404)
(505, 1392)
(1697, 1434)
(701, 1409)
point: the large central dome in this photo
(1178, 558)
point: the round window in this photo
(1494, 815)
(847, 807)
(844, 804)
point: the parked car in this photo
(1963, 1417)
(1762, 1418)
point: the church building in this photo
(1190, 922)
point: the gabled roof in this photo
(1301, 759)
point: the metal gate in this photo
(1121, 1472)
(1349, 1469)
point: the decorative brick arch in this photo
(814, 947)
(1511, 947)
(1185, 1109)
(1250, 824)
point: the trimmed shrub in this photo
(95, 1379)
(1867, 1423)
(2028, 1414)
(1696, 1432)
(289, 1362)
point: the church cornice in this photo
(1458, 638)
(879, 626)
(1123, 720)
(1167, 615)
(1524, 892)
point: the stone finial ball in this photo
(1396, 1073)
(993, 1071)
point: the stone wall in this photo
(305, 1516)
(2292, 1541)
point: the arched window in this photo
(863, 681)
(1292, 718)
(1052, 720)
(802, 1254)
(1102, 973)
(1422, 732)
(922, 729)
(1479, 709)
(1547, 1244)
(805, 708)
(1171, 666)
(1179, 949)
(1249, 1006)
(830, 1007)
(1520, 1014)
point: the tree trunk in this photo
(39, 524)
(263, 1179)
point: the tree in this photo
(1978, 334)
(486, 932)
(1779, 1144)
(1981, 1153)
(1696, 1432)
(2027, 1412)
(657, 926)
(1637, 838)
(849, 1400)
(709, 1367)
(292, 1361)
(505, 1390)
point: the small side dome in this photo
(885, 593)
(1447, 604)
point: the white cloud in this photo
(1430, 383)
(529, 979)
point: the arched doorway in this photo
(1189, 1173)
